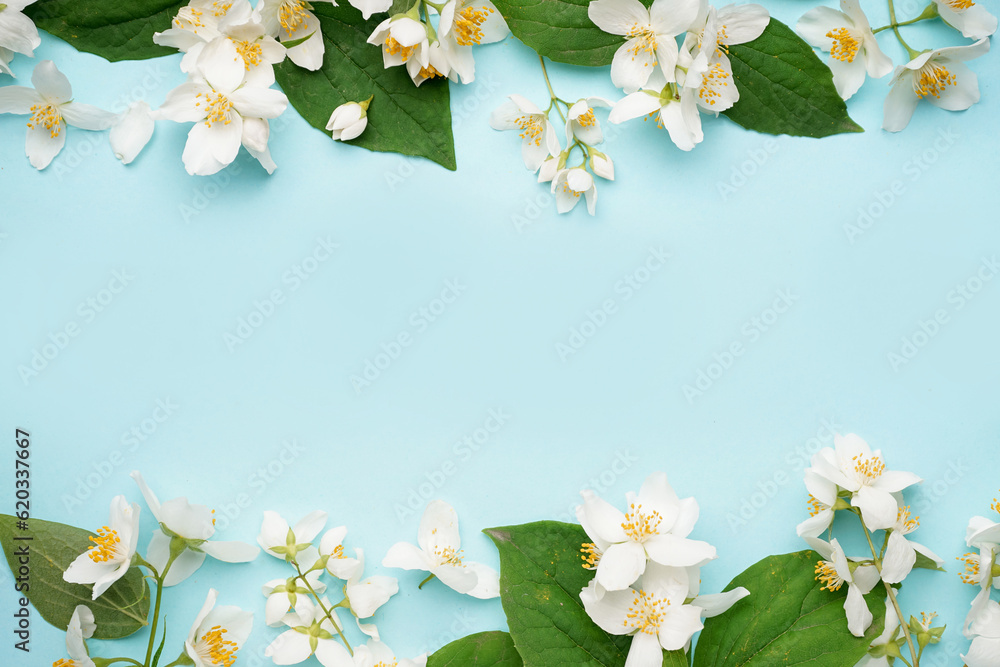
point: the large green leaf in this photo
(485, 649)
(786, 620)
(113, 29)
(785, 88)
(541, 576)
(560, 30)
(402, 118)
(119, 612)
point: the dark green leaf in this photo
(560, 30)
(402, 118)
(486, 649)
(786, 620)
(785, 88)
(122, 609)
(116, 30)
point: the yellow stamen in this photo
(972, 568)
(221, 8)
(531, 129)
(449, 555)
(638, 525)
(932, 80)
(815, 506)
(646, 42)
(468, 25)
(909, 523)
(105, 545)
(926, 619)
(959, 5)
(721, 37)
(64, 662)
(587, 119)
(826, 572)
(591, 555)
(251, 52)
(646, 613)
(392, 47)
(996, 506)
(217, 108)
(48, 117)
(213, 517)
(845, 45)
(429, 72)
(394, 663)
(218, 650)
(715, 79)
(868, 469)
(292, 15)
(188, 18)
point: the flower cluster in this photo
(410, 39)
(938, 76)
(982, 625)
(851, 477)
(646, 570)
(17, 33)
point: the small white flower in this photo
(377, 654)
(217, 633)
(259, 51)
(81, 627)
(365, 596)
(985, 630)
(349, 120)
(192, 525)
(311, 633)
(901, 553)
(848, 37)
(651, 37)
(602, 165)
(283, 594)
(655, 528)
(940, 77)
(291, 20)
(198, 22)
(674, 105)
(538, 135)
(111, 556)
(131, 132)
(440, 553)
(404, 41)
(835, 570)
(464, 24)
(277, 539)
(582, 124)
(569, 185)
(17, 32)
(51, 106)
(968, 17)
(331, 546)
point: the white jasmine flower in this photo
(81, 627)
(277, 539)
(651, 37)
(985, 630)
(193, 525)
(655, 528)
(283, 594)
(981, 530)
(569, 185)
(602, 165)
(311, 633)
(17, 32)
(853, 466)
(111, 556)
(217, 633)
(582, 124)
(968, 17)
(835, 571)
(440, 553)
(467, 23)
(349, 120)
(674, 105)
(259, 51)
(376, 654)
(198, 22)
(131, 132)
(847, 36)
(539, 139)
(365, 596)
(331, 547)
(291, 20)
(226, 113)
(404, 41)
(900, 553)
(51, 106)
(940, 77)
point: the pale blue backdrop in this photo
(763, 246)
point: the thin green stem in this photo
(429, 577)
(901, 23)
(160, 578)
(894, 24)
(327, 612)
(110, 661)
(554, 99)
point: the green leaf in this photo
(560, 30)
(121, 30)
(785, 88)
(402, 118)
(541, 576)
(163, 640)
(786, 620)
(122, 609)
(486, 649)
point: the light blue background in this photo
(201, 251)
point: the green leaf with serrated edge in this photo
(485, 649)
(786, 620)
(541, 576)
(927, 563)
(402, 118)
(119, 612)
(785, 88)
(114, 30)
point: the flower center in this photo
(105, 544)
(815, 506)
(591, 555)
(215, 649)
(251, 53)
(715, 79)
(188, 18)
(468, 25)
(639, 525)
(959, 5)
(721, 41)
(291, 15)
(64, 662)
(393, 47)
(972, 568)
(926, 619)
(868, 469)
(531, 129)
(845, 46)
(221, 8)
(932, 80)
(826, 572)
(448, 555)
(394, 663)
(429, 72)
(645, 41)
(587, 119)
(218, 108)
(908, 522)
(646, 613)
(48, 117)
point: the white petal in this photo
(87, 117)
(679, 624)
(604, 518)
(818, 21)
(963, 94)
(18, 32)
(899, 104)
(309, 54)
(41, 147)
(456, 577)
(645, 651)
(617, 17)
(744, 23)
(51, 83)
(621, 565)
(899, 559)
(632, 66)
(18, 99)
(858, 615)
(610, 610)
(309, 526)
(367, 596)
(259, 103)
(230, 552)
(289, 648)
(719, 603)
(878, 508)
(668, 549)
(487, 581)
(848, 76)
(438, 528)
(369, 7)
(405, 556)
